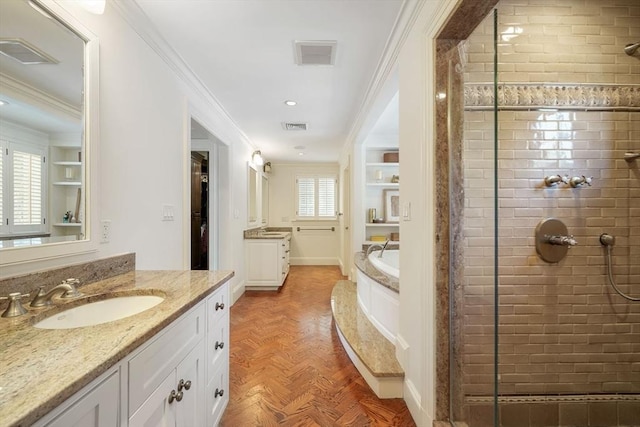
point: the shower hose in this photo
(610, 274)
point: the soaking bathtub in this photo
(378, 289)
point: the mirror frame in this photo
(255, 200)
(49, 251)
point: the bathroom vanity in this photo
(167, 365)
(267, 259)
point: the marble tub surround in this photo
(52, 365)
(86, 272)
(364, 265)
(374, 355)
(259, 233)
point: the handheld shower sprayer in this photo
(631, 48)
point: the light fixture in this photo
(3, 102)
(290, 103)
(256, 158)
(267, 167)
(94, 6)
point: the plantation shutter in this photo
(27, 188)
(326, 197)
(306, 197)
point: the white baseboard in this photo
(402, 352)
(237, 291)
(314, 261)
(413, 400)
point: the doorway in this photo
(199, 210)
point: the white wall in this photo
(315, 247)
(142, 152)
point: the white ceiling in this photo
(242, 50)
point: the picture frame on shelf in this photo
(391, 205)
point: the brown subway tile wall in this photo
(563, 330)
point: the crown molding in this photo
(407, 16)
(31, 95)
(133, 14)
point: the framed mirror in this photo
(48, 89)
(252, 192)
(264, 195)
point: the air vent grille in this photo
(24, 52)
(294, 126)
(319, 52)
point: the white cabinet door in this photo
(190, 375)
(97, 408)
(263, 262)
(156, 411)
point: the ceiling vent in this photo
(318, 52)
(294, 126)
(24, 52)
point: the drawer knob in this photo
(218, 393)
(184, 385)
(219, 345)
(175, 396)
(219, 306)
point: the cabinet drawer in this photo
(150, 367)
(217, 345)
(218, 305)
(217, 402)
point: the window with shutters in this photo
(22, 189)
(316, 197)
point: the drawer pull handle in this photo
(219, 306)
(175, 396)
(218, 393)
(184, 385)
(219, 345)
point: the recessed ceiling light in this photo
(290, 103)
(301, 154)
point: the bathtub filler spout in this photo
(377, 245)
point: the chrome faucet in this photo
(578, 181)
(377, 245)
(561, 240)
(66, 289)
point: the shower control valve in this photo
(558, 240)
(578, 181)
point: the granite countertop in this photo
(42, 368)
(268, 233)
(367, 268)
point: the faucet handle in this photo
(15, 307)
(73, 292)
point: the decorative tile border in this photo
(560, 96)
(556, 399)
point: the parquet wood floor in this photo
(288, 367)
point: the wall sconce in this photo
(267, 167)
(256, 158)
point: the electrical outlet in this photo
(105, 230)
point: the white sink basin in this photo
(98, 312)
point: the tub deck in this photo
(371, 353)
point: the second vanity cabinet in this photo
(179, 377)
(267, 262)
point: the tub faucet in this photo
(66, 289)
(377, 245)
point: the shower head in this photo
(631, 48)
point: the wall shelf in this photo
(382, 224)
(384, 184)
(67, 224)
(380, 164)
(67, 163)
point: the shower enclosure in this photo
(543, 127)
